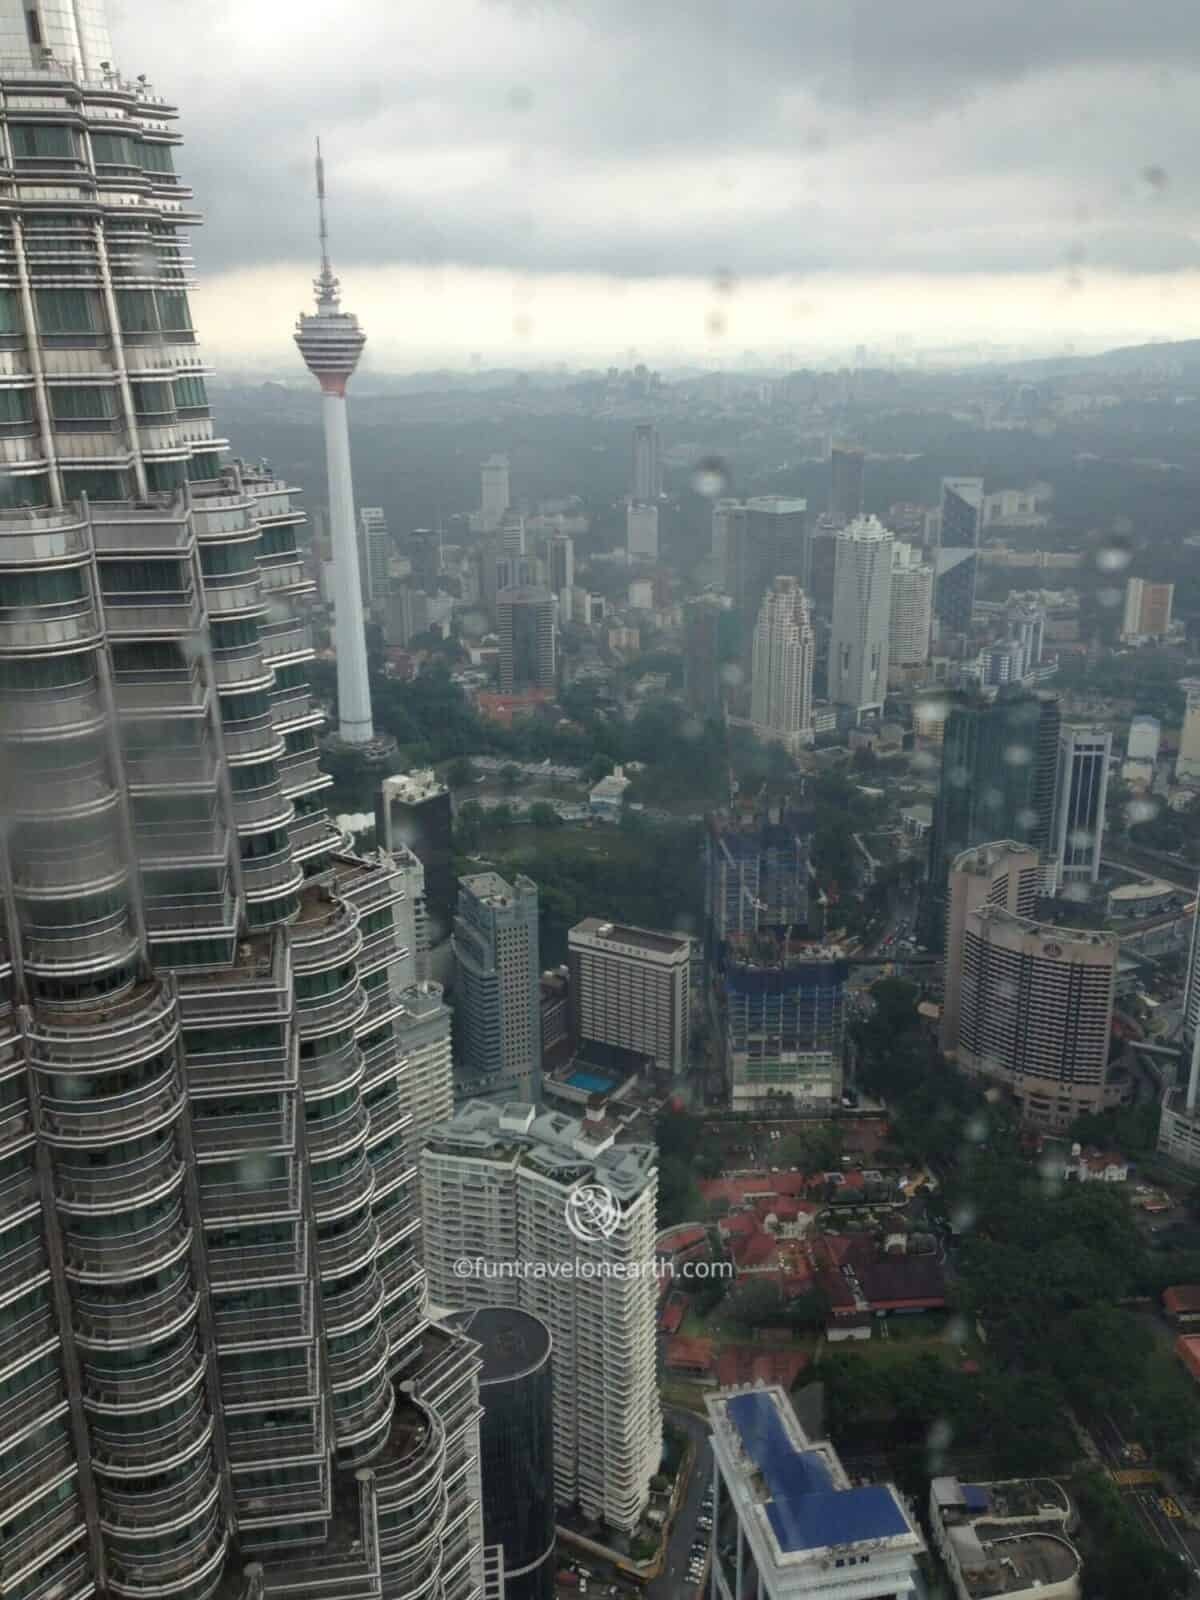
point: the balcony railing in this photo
(235, 1135)
(123, 1511)
(277, 1197)
(132, 1389)
(346, 1309)
(262, 1328)
(133, 1453)
(71, 710)
(114, 1116)
(100, 1324)
(142, 1250)
(236, 1266)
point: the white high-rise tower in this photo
(862, 601)
(331, 343)
(781, 694)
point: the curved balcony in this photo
(278, 879)
(97, 1190)
(235, 598)
(332, 1013)
(249, 738)
(50, 627)
(32, 536)
(337, 1135)
(242, 667)
(28, 714)
(409, 1482)
(169, 1444)
(360, 1365)
(360, 1429)
(76, 791)
(326, 934)
(60, 874)
(286, 642)
(129, 1255)
(102, 1325)
(122, 1510)
(153, 1382)
(257, 809)
(122, 1034)
(170, 1573)
(326, 1074)
(347, 1309)
(335, 1195)
(101, 1118)
(348, 1251)
(107, 941)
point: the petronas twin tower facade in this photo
(217, 1373)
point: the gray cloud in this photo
(659, 137)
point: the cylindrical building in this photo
(516, 1447)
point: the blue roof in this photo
(805, 1510)
(974, 1497)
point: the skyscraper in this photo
(331, 343)
(424, 550)
(960, 522)
(710, 649)
(376, 554)
(765, 538)
(961, 513)
(496, 1184)
(560, 563)
(911, 609)
(1081, 790)
(631, 988)
(415, 811)
(495, 493)
(641, 531)
(784, 1021)
(496, 946)
(207, 1270)
(757, 874)
(645, 477)
(999, 768)
(862, 600)
(846, 470)
(527, 652)
(1147, 613)
(1187, 762)
(1179, 1126)
(1029, 1005)
(782, 670)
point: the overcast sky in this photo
(561, 176)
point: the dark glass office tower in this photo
(516, 1447)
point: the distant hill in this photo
(1180, 356)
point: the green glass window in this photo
(151, 398)
(11, 320)
(258, 775)
(69, 311)
(190, 392)
(31, 140)
(277, 541)
(224, 560)
(136, 309)
(242, 707)
(204, 466)
(96, 485)
(83, 403)
(45, 672)
(142, 577)
(156, 157)
(41, 588)
(173, 310)
(16, 405)
(113, 149)
(23, 491)
(164, 475)
(233, 635)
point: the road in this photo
(1160, 1507)
(673, 1582)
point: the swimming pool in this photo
(592, 1082)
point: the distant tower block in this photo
(331, 343)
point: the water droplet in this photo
(1109, 597)
(711, 477)
(1141, 811)
(940, 1434)
(732, 674)
(1114, 555)
(714, 324)
(962, 1218)
(1155, 177)
(724, 281)
(1018, 755)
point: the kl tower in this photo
(331, 342)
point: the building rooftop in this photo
(638, 938)
(411, 787)
(982, 858)
(511, 1342)
(801, 1488)
(1053, 935)
(518, 1132)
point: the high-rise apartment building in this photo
(631, 987)
(1027, 625)
(862, 601)
(782, 667)
(527, 645)
(496, 947)
(961, 513)
(910, 616)
(847, 466)
(331, 342)
(788, 1521)
(415, 812)
(209, 1289)
(710, 652)
(424, 550)
(1081, 790)
(765, 538)
(1029, 1005)
(1001, 663)
(497, 1185)
(1187, 762)
(645, 477)
(641, 531)
(1003, 873)
(495, 496)
(1147, 613)
(1179, 1125)
(999, 770)
(560, 563)
(376, 555)
(756, 874)
(783, 1013)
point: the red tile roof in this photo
(1182, 1298)
(695, 1354)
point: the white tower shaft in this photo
(354, 695)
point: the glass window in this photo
(164, 475)
(41, 588)
(113, 149)
(31, 140)
(222, 560)
(204, 466)
(151, 398)
(11, 320)
(83, 403)
(96, 485)
(256, 776)
(16, 405)
(142, 577)
(156, 157)
(190, 392)
(136, 309)
(69, 311)
(233, 635)
(173, 310)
